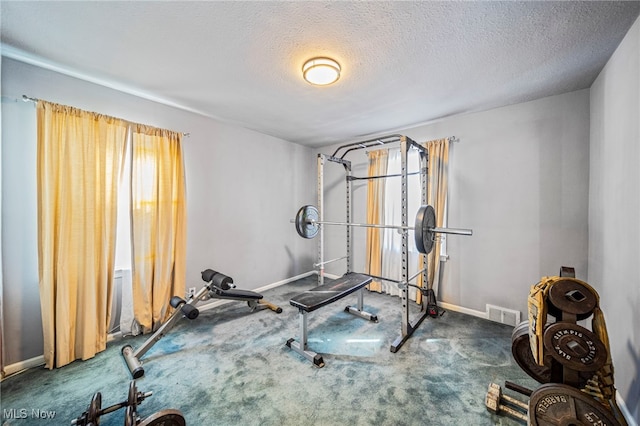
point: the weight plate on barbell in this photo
(93, 416)
(132, 398)
(571, 296)
(521, 351)
(306, 219)
(556, 404)
(425, 222)
(575, 347)
(130, 416)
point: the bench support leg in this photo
(301, 346)
(357, 311)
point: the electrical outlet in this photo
(191, 292)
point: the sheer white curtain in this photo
(392, 215)
(150, 263)
(127, 323)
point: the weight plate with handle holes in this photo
(571, 296)
(425, 222)
(562, 405)
(521, 351)
(306, 219)
(575, 347)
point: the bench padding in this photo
(325, 294)
(237, 294)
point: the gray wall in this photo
(242, 188)
(519, 179)
(614, 209)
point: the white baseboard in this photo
(444, 305)
(21, 366)
(330, 276)
(463, 310)
(285, 281)
(113, 336)
(625, 411)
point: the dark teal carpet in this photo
(230, 366)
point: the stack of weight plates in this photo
(572, 356)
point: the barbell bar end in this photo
(453, 231)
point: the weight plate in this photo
(521, 351)
(132, 399)
(130, 416)
(571, 296)
(575, 347)
(306, 219)
(93, 416)
(562, 405)
(425, 222)
(165, 418)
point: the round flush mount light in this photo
(321, 71)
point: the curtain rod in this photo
(26, 98)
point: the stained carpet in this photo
(230, 366)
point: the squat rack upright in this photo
(406, 143)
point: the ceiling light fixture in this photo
(321, 71)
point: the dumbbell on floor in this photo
(495, 402)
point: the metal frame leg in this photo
(408, 326)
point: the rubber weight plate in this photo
(521, 351)
(304, 218)
(575, 347)
(425, 222)
(571, 296)
(562, 405)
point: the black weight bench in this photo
(323, 295)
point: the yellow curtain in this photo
(158, 225)
(436, 197)
(378, 161)
(79, 157)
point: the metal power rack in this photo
(408, 326)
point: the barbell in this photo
(308, 224)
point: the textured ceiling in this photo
(404, 63)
